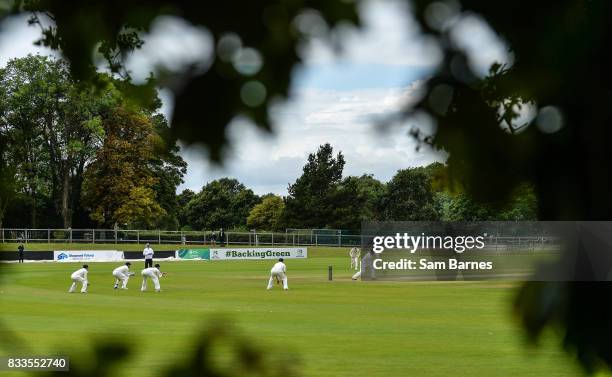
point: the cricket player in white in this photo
(354, 254)
(148, 255)
(122, 274)
(154, 274)
(367, 263)
(278, 273)
(79, 276)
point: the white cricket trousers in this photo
(355, 263)
(78, 279)
(278, 276)
(120, 277)
(153, 278)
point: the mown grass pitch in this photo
(339, 328)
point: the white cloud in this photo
(390, 36)
(313, 117)
(17, 39)
(172, 44)
(483, 46)
(343, 116)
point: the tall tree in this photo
(358, 199)
(310, 200)
(7, 179)
(182, 200)
(410, 197)
(118, 186)
(267, 214)
(20, 120)
(55, 128)
(223, 203)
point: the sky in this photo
(336, 97)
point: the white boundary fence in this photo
(118, 236)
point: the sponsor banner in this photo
(259, 253)
(87, 255)
(193, 254)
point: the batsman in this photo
(278, 273)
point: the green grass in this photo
(339, 328)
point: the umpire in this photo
(20, 249)
(148, 256)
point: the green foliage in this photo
(20, 82)
(223, 203)
(267, 214)
(357, 199)
(141, 206)
(182, 200)
(53, 128)
(310, 202)
(410, 197)
(522, 206)
(8, 182)
(118, 185)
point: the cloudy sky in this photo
(335, 96)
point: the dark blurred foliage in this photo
(205, 101)
(218, 350)
(244, 358)
(562, 59)
(248, 358)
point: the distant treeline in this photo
(83, 156)
(322, 198)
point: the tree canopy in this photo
(60, 136)
(310, 202)
(223, 203)
(267, 214)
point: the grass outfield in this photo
(339, 328)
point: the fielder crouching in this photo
(79, 276)
(278, 273)
(154, 274)
(122, 274)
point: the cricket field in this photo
(319, 327)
